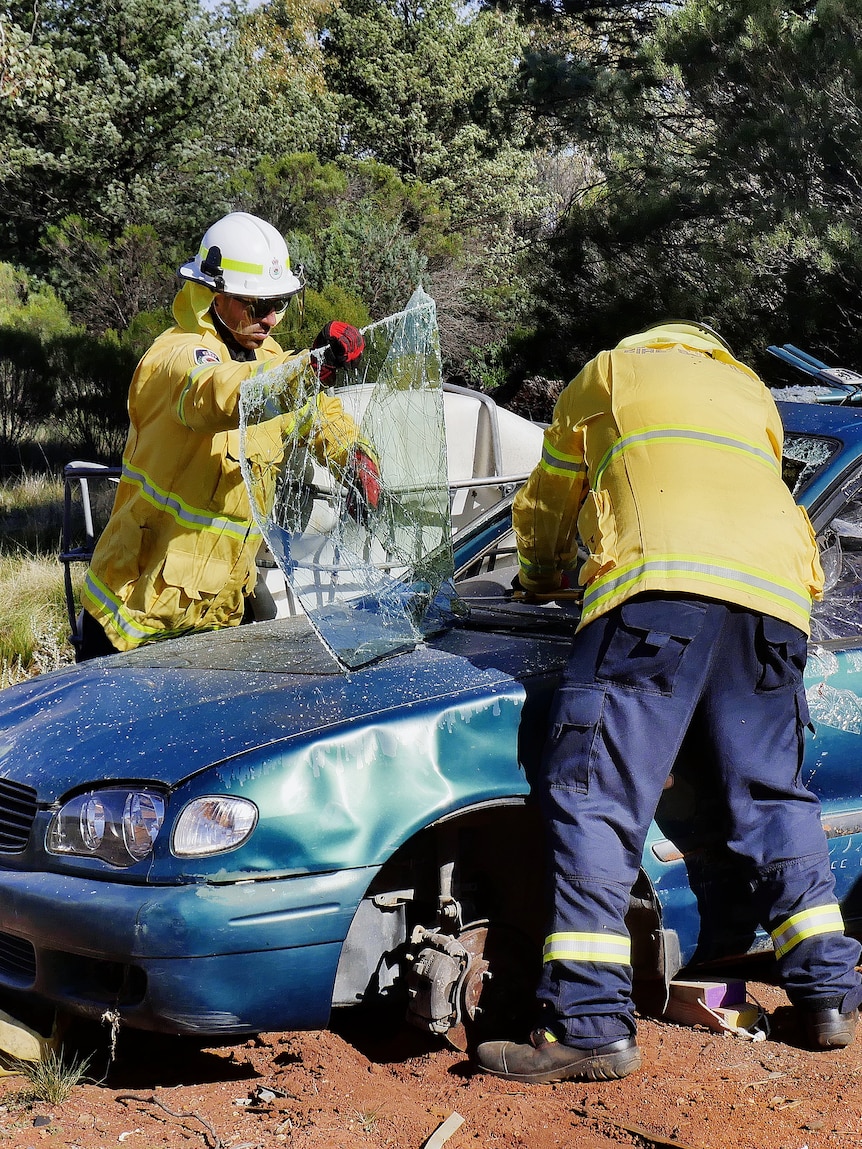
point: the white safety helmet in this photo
(243, 255)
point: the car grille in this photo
(17, 960)
(17, 812)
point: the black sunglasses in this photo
(260, 308)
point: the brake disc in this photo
(477, 983)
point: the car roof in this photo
(842, 425)
(841, 422)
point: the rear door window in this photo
(804, 457)
(837, 620)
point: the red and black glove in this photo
(343, 344)
(363, 485)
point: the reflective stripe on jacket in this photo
(664, 457)
(179, 550)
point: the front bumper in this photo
(244, 957)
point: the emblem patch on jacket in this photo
(204, 355)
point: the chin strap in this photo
(238, 353)
(220, 322)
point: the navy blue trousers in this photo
(640, 679)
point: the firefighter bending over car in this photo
(178, 553)
(664, 456)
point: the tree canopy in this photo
(555, 172)
(731, 186)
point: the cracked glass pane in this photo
(803, 456)
(371, 579)
(839, 615)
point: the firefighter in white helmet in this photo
(178, 553)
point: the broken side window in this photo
(803, 457)
(839, 615)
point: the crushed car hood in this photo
(166, 711)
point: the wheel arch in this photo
(483, 862)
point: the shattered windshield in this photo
(803, 457)
(371, 580)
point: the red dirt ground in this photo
(353, 1089)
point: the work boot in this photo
(545, 1059)
(827, 1028)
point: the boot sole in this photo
(601, 1067)
(825, 1037)
(831, 1032)
(836, 1040)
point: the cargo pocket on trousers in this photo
(648, 643)
(573, 738)
(803, 723)
(782, 650)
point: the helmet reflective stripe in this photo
(179, 510)
(807, 924)
(236, 265)
(789, 595)
(686, 325)
(610, 949)
(682, 434)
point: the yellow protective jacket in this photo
(664, 456)
(178, 552)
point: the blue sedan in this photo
(228, 833)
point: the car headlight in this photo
(119, 826)
(212, 825)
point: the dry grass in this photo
(51, 1079)
(30, 491)
(31, 514)
(34, 626)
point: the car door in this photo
(833, 683)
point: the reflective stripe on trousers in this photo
(588, 947)
(808, 924)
